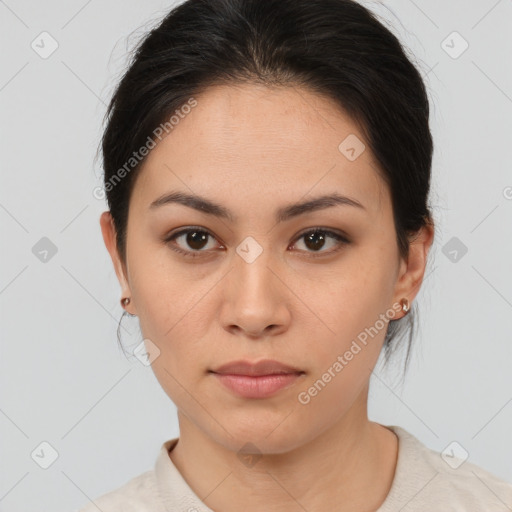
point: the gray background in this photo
(64, 379)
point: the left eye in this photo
(316, 239)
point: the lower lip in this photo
(261, 386)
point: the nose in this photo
(256, 300)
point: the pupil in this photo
(315, 238)
(196, 239)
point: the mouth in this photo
(256, 380)
(261, 386)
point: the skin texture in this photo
(253, 150)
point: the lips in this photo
(257, 380)
(253, 369)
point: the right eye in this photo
(195, 238)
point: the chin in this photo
(262, 434)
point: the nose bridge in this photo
(254, 299)
(252, 274)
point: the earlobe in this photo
(404, 302)
(110, 239)
(409, 283)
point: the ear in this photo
(109, 237)
(411, 272)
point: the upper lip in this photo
(263, 367)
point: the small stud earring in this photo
(405, 305)
(125, 301)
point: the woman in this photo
(267, 170)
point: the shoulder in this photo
(156, 490)
(447, 479)
(466, 483)
(136, 495)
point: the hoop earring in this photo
(125, 301)
(405, 305)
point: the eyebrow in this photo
(285, 213)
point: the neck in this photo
(352, 465)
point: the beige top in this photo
(424, 482)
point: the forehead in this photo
(263, 142)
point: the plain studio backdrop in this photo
(99, 418)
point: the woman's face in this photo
(256, 282)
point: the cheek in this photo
(156, 286)
(172, 314)
(351, 306)
(352, 296)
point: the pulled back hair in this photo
(335, 48)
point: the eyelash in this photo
(343, 240)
